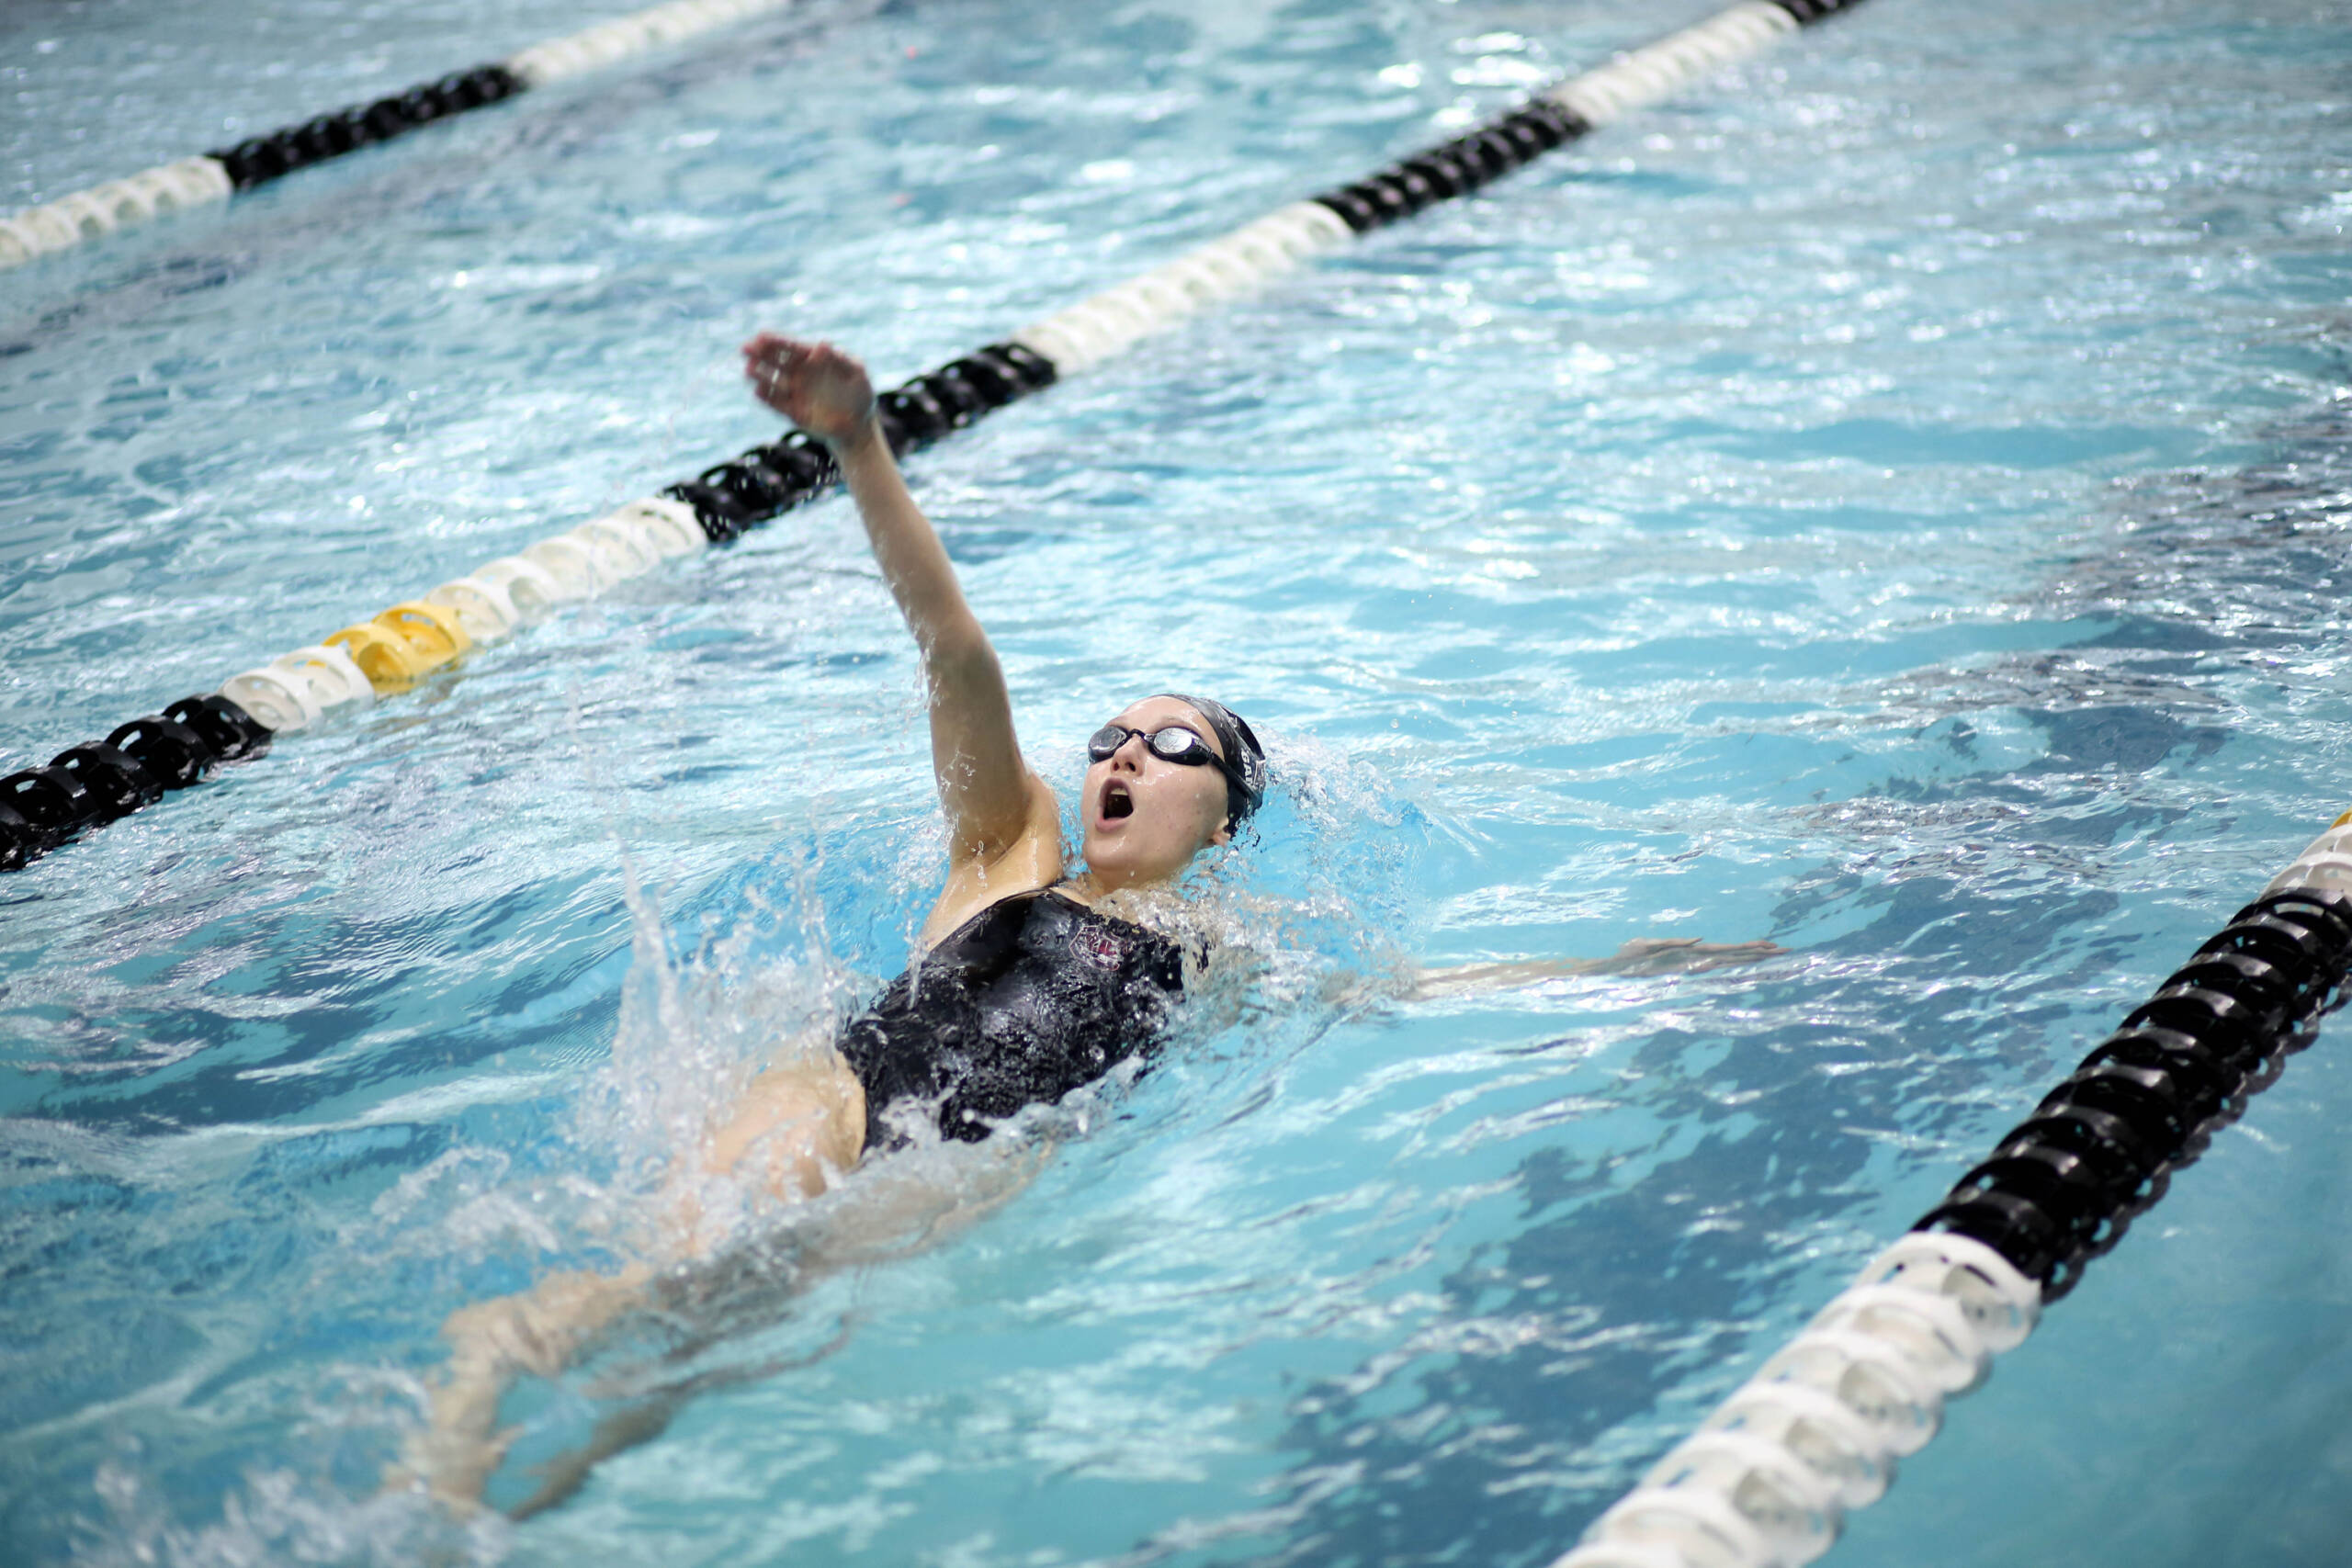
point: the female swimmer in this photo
(1025, 986)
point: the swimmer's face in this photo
(1146, 817)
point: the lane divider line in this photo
(43, 808)
(84, 215)
(1818, 1431)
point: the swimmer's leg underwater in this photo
(780, 1143)
(794, 1126)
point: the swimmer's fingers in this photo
(765, 347)
(767, 362)
(816, 386)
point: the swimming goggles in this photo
(1170, 743)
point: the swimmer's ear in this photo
(1224, 834)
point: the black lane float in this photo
(83, 215)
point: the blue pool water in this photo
(1892, 500)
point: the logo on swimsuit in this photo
(1100, 946)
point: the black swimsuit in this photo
(1026, 1000)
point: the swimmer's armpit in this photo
(1644, 955)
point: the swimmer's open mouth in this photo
(1116, 802)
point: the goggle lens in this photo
(1172, 743)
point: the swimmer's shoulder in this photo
(975, 883)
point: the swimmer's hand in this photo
(814, 385)
(1644, 955)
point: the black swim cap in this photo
(1245, 788)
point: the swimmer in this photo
(1025, 986)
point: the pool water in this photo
(1891, 501)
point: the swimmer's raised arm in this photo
(1000, 816)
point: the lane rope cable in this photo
(84, 215)
(137, 763)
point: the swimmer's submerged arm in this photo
(1646, 955)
